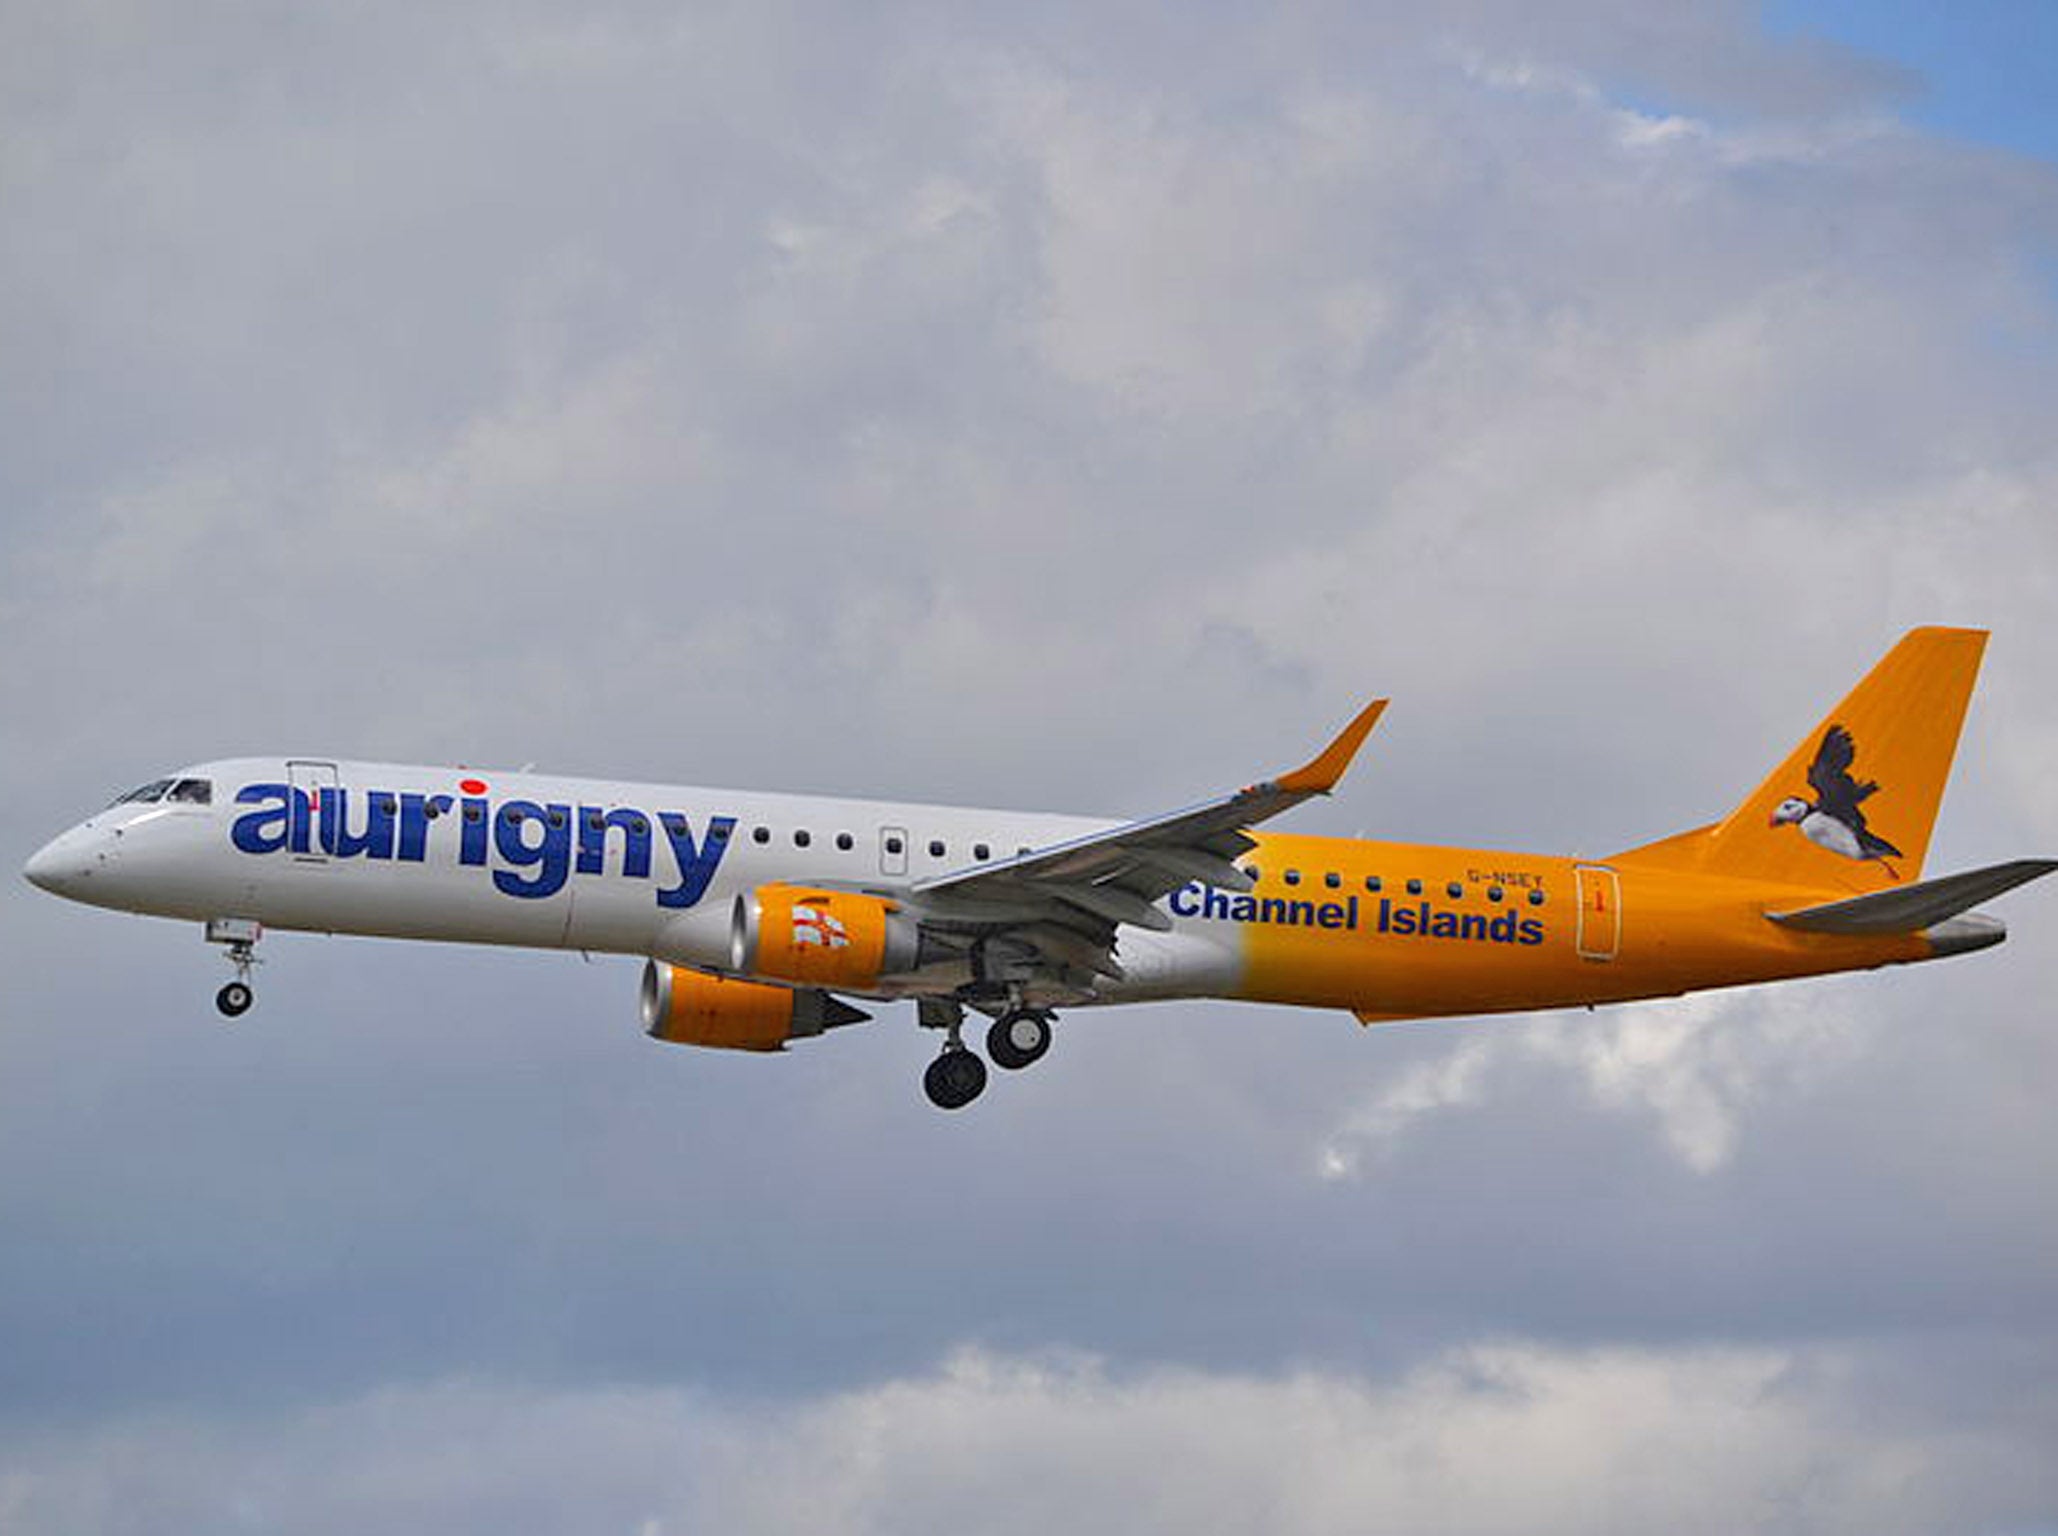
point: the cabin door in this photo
(1600, 912)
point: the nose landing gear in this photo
(238, 937)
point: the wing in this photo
(1832, 766)
(1830, 777)
(1067, 900)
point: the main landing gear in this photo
(238, 936)
(957, 1076)
(1018, 1038)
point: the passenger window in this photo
(935, 848)
(843, 841)
(557, 818)
(1414, 887)
(760, 834)
(1536, 897)
(473, 814)
(1250, 872)
(1333, 880)
(594, 822)
(981, 852)
(1293, 877)
(1494, 893)
(801, 839)
(1372, 884)
(894, 845)
(1455, 891)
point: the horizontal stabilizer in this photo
(1912, 908)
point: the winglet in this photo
(1320, 776)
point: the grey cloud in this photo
(1071, 413)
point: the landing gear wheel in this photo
(238, 938)
(954, 1079)
(1018, 1039)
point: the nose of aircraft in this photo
(41, 869)
(59, 865)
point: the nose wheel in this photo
(238, 938)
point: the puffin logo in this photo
(814, 927)
(1833, 819)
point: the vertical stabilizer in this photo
(1852, 806)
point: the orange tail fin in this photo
(1852, 806)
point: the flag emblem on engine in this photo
(811, 925)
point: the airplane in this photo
(761, 916)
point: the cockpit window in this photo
(152, 791)
(193, 792)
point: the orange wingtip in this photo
(1320, 776)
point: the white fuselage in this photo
(406, 851)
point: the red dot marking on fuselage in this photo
(472, 786)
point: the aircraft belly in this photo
(613, 916)
(407, 903)
(1190, 961)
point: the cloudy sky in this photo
(1079, 407)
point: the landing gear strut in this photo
(238, 936)
(1018, 1038)
(956, 1077)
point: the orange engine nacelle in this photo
(821, 938)
(692, 1008)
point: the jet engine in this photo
(689, 1007)
(821, 938)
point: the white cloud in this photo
(1696, 1067)
(1458, 1079)
(1642, 130)
(1496, 1438)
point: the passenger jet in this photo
(759, 916)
